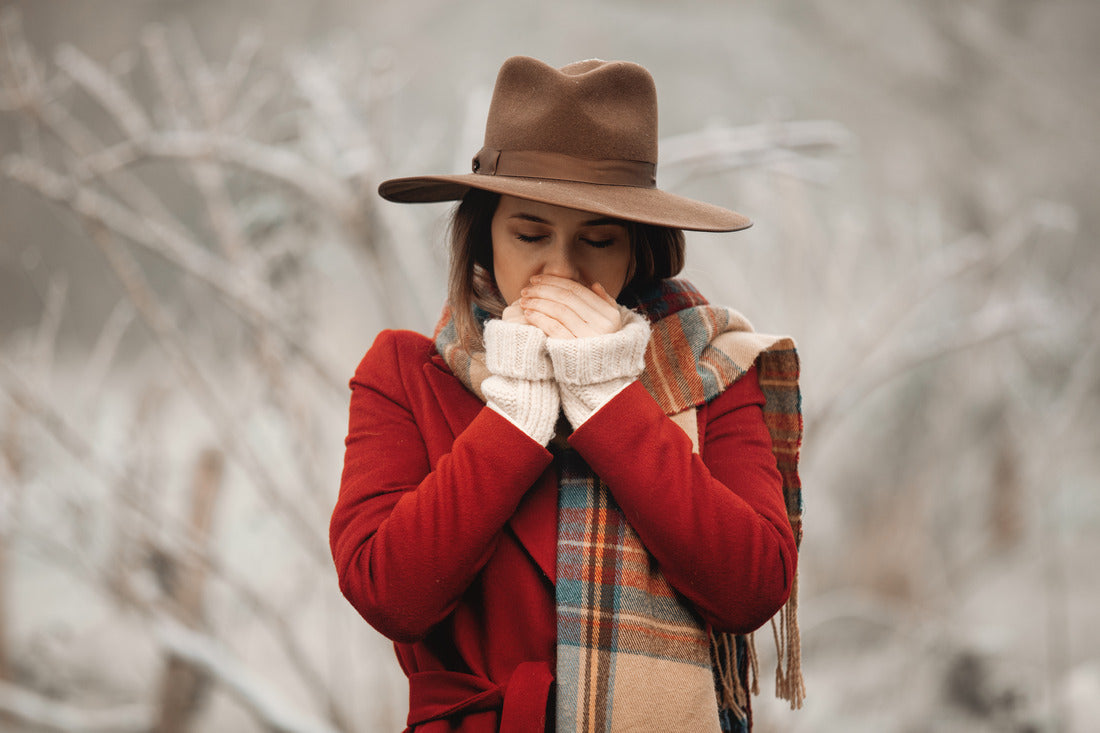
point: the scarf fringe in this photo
(732, 694)
(735, 686)
(789, 684)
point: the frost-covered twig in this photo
(723, 148)
(208, 176)
(72, 440)
(33, 709)
(885, 347)
(992, 323)
(172, 342)
(106, 346)
(276, 618)
(104, 88)
(112, 581)
(250, 298)
(45, 342)
(278, 164)
(250, 689)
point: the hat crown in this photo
(600, 110)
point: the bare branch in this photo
(989, 325)
(253, 99)
(25, 78)
(278, 164)
(46, 338)
(106, 346)
(903, 297)
(255, 693)
(33, 709)
(251, 298)
(172, 342)
(171, 86)
(197, 71)
(238, 67)
(723, 148)
(277, 621)
(105, 89)
(72, 440)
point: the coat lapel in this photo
(459, 405)
(534, 523)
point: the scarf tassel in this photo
(789, 684)
(736, 682)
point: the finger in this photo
(551, 327)
(577, 326)
(555, 310)
(555, 287)
(514, 314)
(591, 308)
(579, 319)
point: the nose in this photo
(560, 262)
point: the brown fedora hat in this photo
(584, 137)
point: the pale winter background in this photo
(193, 259)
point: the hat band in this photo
(560, 167)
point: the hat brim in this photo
(644, 205)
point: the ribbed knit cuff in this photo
(595, 359)
(530, 405)
(591, 371)
(580, 402)
(521, 387)
(516, 350)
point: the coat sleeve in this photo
(409, 538)
(716, 523)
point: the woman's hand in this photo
(514, 314)
(564, 308)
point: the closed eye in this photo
(530, 237)
(599, 243)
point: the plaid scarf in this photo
(632, 655)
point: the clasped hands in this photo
(564, 308)
(560, 346)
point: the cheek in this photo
(615, 271)
(510, 271)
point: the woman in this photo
(562, 507)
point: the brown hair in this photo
(657, 253)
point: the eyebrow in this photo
(602, 221)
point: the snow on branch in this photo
(249, 688)
(717, 149)
(33, 709)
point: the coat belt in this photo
(521, 700)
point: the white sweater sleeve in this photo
(521, 386)
(592, 370)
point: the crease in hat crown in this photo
(596, 110)
(583, 136)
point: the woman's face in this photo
(532, 238)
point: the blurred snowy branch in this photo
(30, 708)
(267, 705)
(799, 148)
(164, 489)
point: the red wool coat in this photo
(444, 533)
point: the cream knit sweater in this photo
(532, 376)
